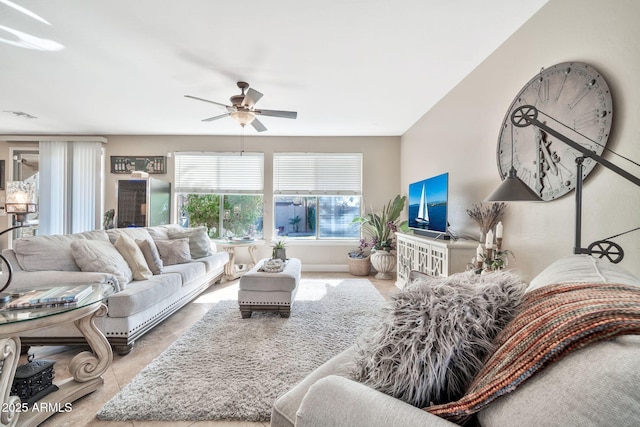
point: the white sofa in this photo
(137, 306)
(595, 386)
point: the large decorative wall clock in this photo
(571, 97)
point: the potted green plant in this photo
(279, 250)
(381, 227)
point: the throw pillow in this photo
(199, 241)
(174, 251)
(151, 255)
(101, 256)
(436, 334)
(134, 257)
(44, 253)
(136, 233)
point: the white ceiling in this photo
(348, 67)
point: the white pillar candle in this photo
(489, 242)
(499, 230)
(479, 251)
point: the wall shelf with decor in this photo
(430, 256)
(148, 164)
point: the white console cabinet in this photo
(431, 256)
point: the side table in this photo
(230, 270)
(86, 367)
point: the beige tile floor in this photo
(146, 349)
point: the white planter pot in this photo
(384, 262)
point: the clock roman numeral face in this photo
(573, 99)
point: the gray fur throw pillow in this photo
(436, 335)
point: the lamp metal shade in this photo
(512, 189)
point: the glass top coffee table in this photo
(86, 368)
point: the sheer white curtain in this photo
(86, 191)
(71, 196)
(53, 183)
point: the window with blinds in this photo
(221, 173)
(222, 191)
(317, 195)
(317, 173)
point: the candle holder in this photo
(492, 259)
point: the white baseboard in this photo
(326, 268)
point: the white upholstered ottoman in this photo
(260, 290)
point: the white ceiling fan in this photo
(242, 108)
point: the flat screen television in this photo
(428, 205)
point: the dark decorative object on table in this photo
(33, 380)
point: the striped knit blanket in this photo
(552, 321)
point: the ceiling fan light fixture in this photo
(243, 117)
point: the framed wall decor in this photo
(148, 164)
(2, 171)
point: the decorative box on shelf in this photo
(33, 380)
(148, 164)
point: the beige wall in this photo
(459, 134)
(381, 176)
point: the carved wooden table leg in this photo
(86, 369)
(252, 252)
(87, 366)
(230, 267)
(11, 406)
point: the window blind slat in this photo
(317, 173)
(225, 173)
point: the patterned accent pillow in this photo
(199, 241)
(134, 257)
(174, 251)
(436, 335)
(151, 255)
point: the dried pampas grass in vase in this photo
(487, 216)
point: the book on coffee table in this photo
(58, 296)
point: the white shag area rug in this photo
(228, 368)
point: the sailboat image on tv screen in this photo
(423, 213)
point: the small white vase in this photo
(384, 262)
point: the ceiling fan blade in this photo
(206, 100)
(210, 119)
(251, 98)
(277, 113)
(257, 125)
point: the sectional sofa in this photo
(177, 264)
(594, 386)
